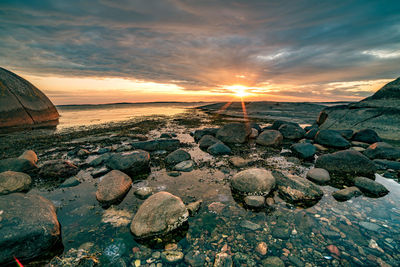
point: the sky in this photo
(104, 51)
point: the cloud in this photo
(203, 45)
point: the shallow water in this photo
(360, 232)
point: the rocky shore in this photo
(200, 190)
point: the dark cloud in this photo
(201, 45)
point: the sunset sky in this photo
(103, 51)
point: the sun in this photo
(239, 90)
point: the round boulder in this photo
(208, 140)
(133, 163)
(292, 131)
(219, 149)
(177, 156)
(113, 187)
(11, 182)
(234, 133)
(253, 182)
(304, 150)
(367, 136)
(158, 215)
(331, 138)
(318, 176)
(382, 150)
(270, 138)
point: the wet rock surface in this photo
(346, 193)
(255, 182)
(11, 182)
(133, 163)
(370, 186)
(113, 186)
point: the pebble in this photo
(262, 248)
(249, 225)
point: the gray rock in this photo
(311, 133)
(348, 134)
(32, 228)
(318, 176)
(99, 160)
(177, 156)
(382, 150)
(11, 182)
(255, 201)
(254, 133)
(383, 164)
(157, 144)
(185, 166)
(380, 112)
(70, 182)
(159, 214)
(346, 193)
(331, 138)
(304, 150)
(346, 164)
(134, 163)
(143, 192)
(238, 162)
(234, 133)
(195, 258)
(113, 187)
(22, 104)
(292, 131)
(273, 261)
(297, 190)
(223, 259)
(370, 187)
(219, 149)
(278, 123)
(194, 207)
(16, 165)
(366, 136)
(250, 225)
(208, 140)
(198, 134)
(370, 226)
(270, 138)
(253, 182)
(58, 169)
(172, 256)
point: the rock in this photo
(370, 187)
(113, 187)
(143, 192)
(222, 259)
(198, 134)
(250, 225)
(157, 144)
(241, 259)
(82, 153)
(99, 172)
(16, 165)
(253, 134)
(32, 228)
(234, 133)
(334, 250)
(29, 155)
(281, 232)
(318, 176)
(370, 226)
(195, 258)
(11, 182)
(297, 190)
(278, 123)
(359, 149)
(99, 160)
(177, 156)
(174, 173)
(253, 182)
(380, 112)
(346, 193)
(346, 164)
(238, 162)
(194, 207)
(158, 215)
(208, 140)
(273, 261)
(172, 256)
(185, 166)
(304, 150)
(219, 149)
(134, 163)
(366, 136)
(360, 144)
(262, 248)
(320, 147)
(291, 131)
(216, 207)
(331, 138)
(58, 170)
(383, 164)
(270, 138)
(70, 182)
(382, 150)
(166, 135)
(311, 133)
(255, 201)
(347, 134)
(22, 104)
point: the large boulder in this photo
(370, 187)
(16, 165)
(331, 138)
(270, 138)
(292, 131)
(253, 182)
(158, 215)
(113, 187)
(219, 149)
(177, 156)
(30, 228)
(380, 112)
(234, 133)
(366, 136)
(11, 182)
(157, 144)
(382, 150)
(304, 150)
(22, 104)
(133, 163)
(346, 164)
(297, 190)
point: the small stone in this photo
(185, 166)
(370, 226)
(318, 176)
(223, 260)
(238, 162)
(70, 182)
(250, 225)
(174, 173)
(83, 153)
(270, 201)
(270, 138)
(195, 258)
(273, 261)
(172, 256)
(370, 187)
(262, 248)
(11, 182)
(254, 201)
(177, 156)
(194, 207)
(113, 186)
(346, 193)
(143, 192)
(219, 149)
(171, 246)
(334, 250)
(253, 134)
(216, 207)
